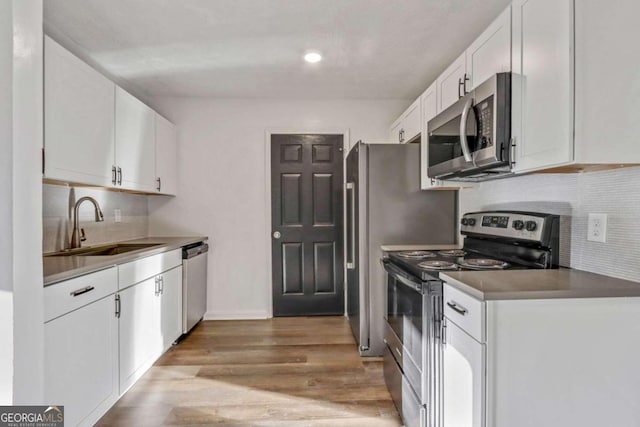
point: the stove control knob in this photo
(531, 225)
(472, 222)
(518, 225)
(464, 221)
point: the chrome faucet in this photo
(77, 237)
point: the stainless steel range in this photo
(495, 240)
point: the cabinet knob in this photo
(276, 235)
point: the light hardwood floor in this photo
(302, 371)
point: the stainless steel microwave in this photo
(471, 140)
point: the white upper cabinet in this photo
(79, 119)
(408, 126)
(135, 143)
(607, 82)
(491, 52)
(394, 131)
(98, 134)
(429, 100)
(542, 83)
(166, 156)
(451, 83)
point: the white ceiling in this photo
(254, 48)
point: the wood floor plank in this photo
(302, 371)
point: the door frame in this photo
(346, 145)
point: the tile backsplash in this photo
(573, 196)
(57, 215)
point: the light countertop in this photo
(59, 268)
(539, 284)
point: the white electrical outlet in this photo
(597, 228)
(118, 215)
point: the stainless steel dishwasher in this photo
(194, 284)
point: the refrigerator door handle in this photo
(351, 250)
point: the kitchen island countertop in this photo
(60, 268)
(539, 284)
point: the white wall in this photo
(574, 196)
(222, 182)
(6, 244)
(21, 291)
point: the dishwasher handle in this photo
(194, 250)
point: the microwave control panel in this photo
(484, 114)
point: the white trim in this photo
(237, 315)
(346, 146)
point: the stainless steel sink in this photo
(106, 250)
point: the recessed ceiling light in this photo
(313, 57)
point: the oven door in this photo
(405, 324)
(474, 133)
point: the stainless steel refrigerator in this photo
(385, 206)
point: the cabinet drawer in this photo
(69, 295)
(465, 311)
(139, 270)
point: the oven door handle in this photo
(401, 276)
(463, 131)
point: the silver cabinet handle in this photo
(84, 290)
(463, 131)
(457, 308)
(512, 152)
(351, 261)
(113, 175)
(159, 184)
(459, 87)
(157, 286)
(464, 84)
(119, 175)
(277, 235)
(161, 285)
(118, 306)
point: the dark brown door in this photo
(306, 225)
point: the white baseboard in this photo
(236, 315)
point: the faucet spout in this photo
(76, 237)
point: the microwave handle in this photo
(463, 131)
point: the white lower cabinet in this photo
(99, 341)
(539, 362)
(81, 361)
(139, 327)
(463, 379)
(171, 306)
(150, 321)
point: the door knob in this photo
(276, 235)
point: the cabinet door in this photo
(607, 85)
(81, 363)
(394, 131)
(171, 307)
(542, 85)
(449, 84)
(78, 119)
(140, 336)
(429, 101)
(491, 52)
(463, 379)
(411, 122)
(135, 143)
(166, 156)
